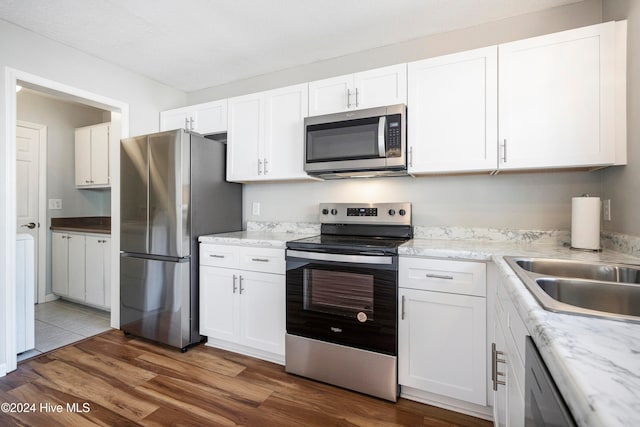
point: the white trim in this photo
(51, 297)
(78, 95)
(3, 369)
(41, 268)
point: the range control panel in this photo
(366, 213)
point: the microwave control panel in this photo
(394, 136)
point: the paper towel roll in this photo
(585, 223)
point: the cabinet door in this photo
(331, 95)
(59, 264)
(174, 119)
(106, 253)
(380, 87)
(95, 273)
(442, 344)
(556, 95)
(245, 138)
(218, 303)
(100, 155)
(76, 266)
(263, 311)
(453, 101)
(285, 110)
(83, 156)
(210, 117)
(500, 393)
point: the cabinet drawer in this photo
(458, 277)
(218, 255)
(266, 260)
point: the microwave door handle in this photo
(382, 125)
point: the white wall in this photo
(61, 119)
(525, 201)
(621, 184)
(27, 52)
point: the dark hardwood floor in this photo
(114, 380)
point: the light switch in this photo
(255, 208)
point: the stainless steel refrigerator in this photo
(172, 190)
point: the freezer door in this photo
(155, 300)
(134, 197)
(169, 166)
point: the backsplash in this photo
(615, 241)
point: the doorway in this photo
(120, 120)
(56, 322)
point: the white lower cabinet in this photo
(81, 267)
(242, 299)
(442, 345)
(508, 362)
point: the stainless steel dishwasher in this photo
(544, 405)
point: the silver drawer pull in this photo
(216, 256)
(439, 276)
(260, 259)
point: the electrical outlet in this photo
(55, 204)
(606, 209)
(255, 208)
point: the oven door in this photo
(343, 299)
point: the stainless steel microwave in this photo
(362, 143)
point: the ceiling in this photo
(195, 44)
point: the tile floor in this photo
(61, 322)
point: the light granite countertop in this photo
(595, 362)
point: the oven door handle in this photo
(351, 259)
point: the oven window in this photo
(354, 139)
(339, 293)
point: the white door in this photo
(218, 303)
(210, 117)
(27, 187)
(100, 155)
(331, 95)
(245, 138)
(380, 87)
(174, 119)
(83, 156)
(76, 266)
(59, 263)
(94, 270)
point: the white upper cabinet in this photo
(265, 140)
(453, 112)
(373, 88)
(207, 118)
(557, 100)
(92, 156)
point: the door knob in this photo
(30, 226)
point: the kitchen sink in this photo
(608, 290)
(582, 270)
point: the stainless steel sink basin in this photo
(583, 270)
(596, 289)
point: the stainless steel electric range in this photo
(342, 293)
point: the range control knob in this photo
(334, 211)
(392, 212)
(402, 212)
(325, 211)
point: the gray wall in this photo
(621, 184)
(524, 201)
(61, 119)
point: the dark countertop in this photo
(83, 224)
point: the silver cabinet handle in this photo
(235, 287)
(504, 150)
(494, 367)
(439, 276)
(260, 259)
(348, 98)
(402, 310)
(356, 97)
(266, 171)
(216, 256)
(259, 166)
(241, 288)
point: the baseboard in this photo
(247, 351)
(3, 369)
(478, 411)
(50, 297)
